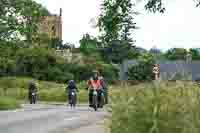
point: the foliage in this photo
(158, 6)
(195, 54)
(20, 18)
(155, 5)
(43, 64)
(115, 21)
(7, 103)
(116, 52)
(88, 45)
(109, 72)
(143, 70)
(133, 53)
(176, 54)
(172, 107)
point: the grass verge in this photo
(7, 103)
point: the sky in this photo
(179, 26)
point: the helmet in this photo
(95, 71)
(71, 81)
(95, 74)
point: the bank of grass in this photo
(16, 87)
(7, 103)
(167, 108)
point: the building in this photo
(66, 54)
(169, 70)
(51, 26)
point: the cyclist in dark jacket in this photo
(31, 89)
(71, 88)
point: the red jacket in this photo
(94, 84)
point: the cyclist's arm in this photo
(88, 84)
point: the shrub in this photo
(143, 70)
(56, 94)
(7, 103)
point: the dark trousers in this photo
(98, 96)
(31, 98)
(69, 95)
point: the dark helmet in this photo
(71, 83)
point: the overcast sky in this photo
(179, 26)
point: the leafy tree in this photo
(20, 18)
(158, 6)
(88, 44)
(195, 54)
(133, 53)
(176, 54)
(154, 6)
(115, 21)
(115, 24)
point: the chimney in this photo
(60, 12)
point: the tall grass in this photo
(147, 108)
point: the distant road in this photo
(48, 119)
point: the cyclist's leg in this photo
(99, 97)
(90, 97)
(69, 97)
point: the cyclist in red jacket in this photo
(94, 84)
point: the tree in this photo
(195, 54)
(88, 44)
(127, 24)
(158, 6)
(20, 18)
(115, 24)
(154, 6)
(133, 53)
(115, 21)
(176, 54)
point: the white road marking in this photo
(71, 119)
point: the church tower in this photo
(52, 26)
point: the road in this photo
(48, 119)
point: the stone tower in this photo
(52, 26)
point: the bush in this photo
(44, 64)
(109, 72)
(169, 108)
(56, 94)
(143, 70)
(7, 103)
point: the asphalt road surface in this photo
(48, 119)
